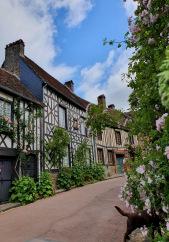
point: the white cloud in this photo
(63, 72)
(32, 21)
(77, 10)
(130, 7)
(106, 78)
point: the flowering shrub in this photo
(7, 127)
(148, 35)
(147, 184)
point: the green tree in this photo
(57, 146)
(99, 118)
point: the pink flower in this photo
(161, 121)
(141, 169)
(159, 124)
(167, 152)
(153, 18)
(167, 225)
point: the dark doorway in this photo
(29, 167)
(6, 177)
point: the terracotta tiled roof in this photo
(55, 84)
(13, 85)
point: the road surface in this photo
(85, 214)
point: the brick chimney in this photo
(111, 106)
(70, 85)
(12, 53)
(102, 100)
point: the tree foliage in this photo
(147, 184)
(99, 118)
(148, 35)
(164, 81)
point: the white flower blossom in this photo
(141, 169)
(149, 180)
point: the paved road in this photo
(84, 214)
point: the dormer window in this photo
(83, 127)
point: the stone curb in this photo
(7, 206)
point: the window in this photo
(5, 108)
(83, 127)
(100, 155)
(131, 139)
(110, 155)
(62, 117)
(99, 136)
(118, 137)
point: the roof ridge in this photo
(55, 83)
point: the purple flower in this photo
(167, 152)
(153, 18)
(161, 121)
(141, 169)
(149, 4)
(167, 226)
(144, 13)
(145, 2)
(159, 124)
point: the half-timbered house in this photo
(19, 131)
(112, 143)
(62, 107)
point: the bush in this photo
(23, 190)
(78, 175)
(44, 187)
(88, 173)
(97, 172)
(162, 238)
(64, 179)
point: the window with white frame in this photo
(83, 127)
(62, 117)
(5, 108)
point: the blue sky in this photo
(65, 38)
